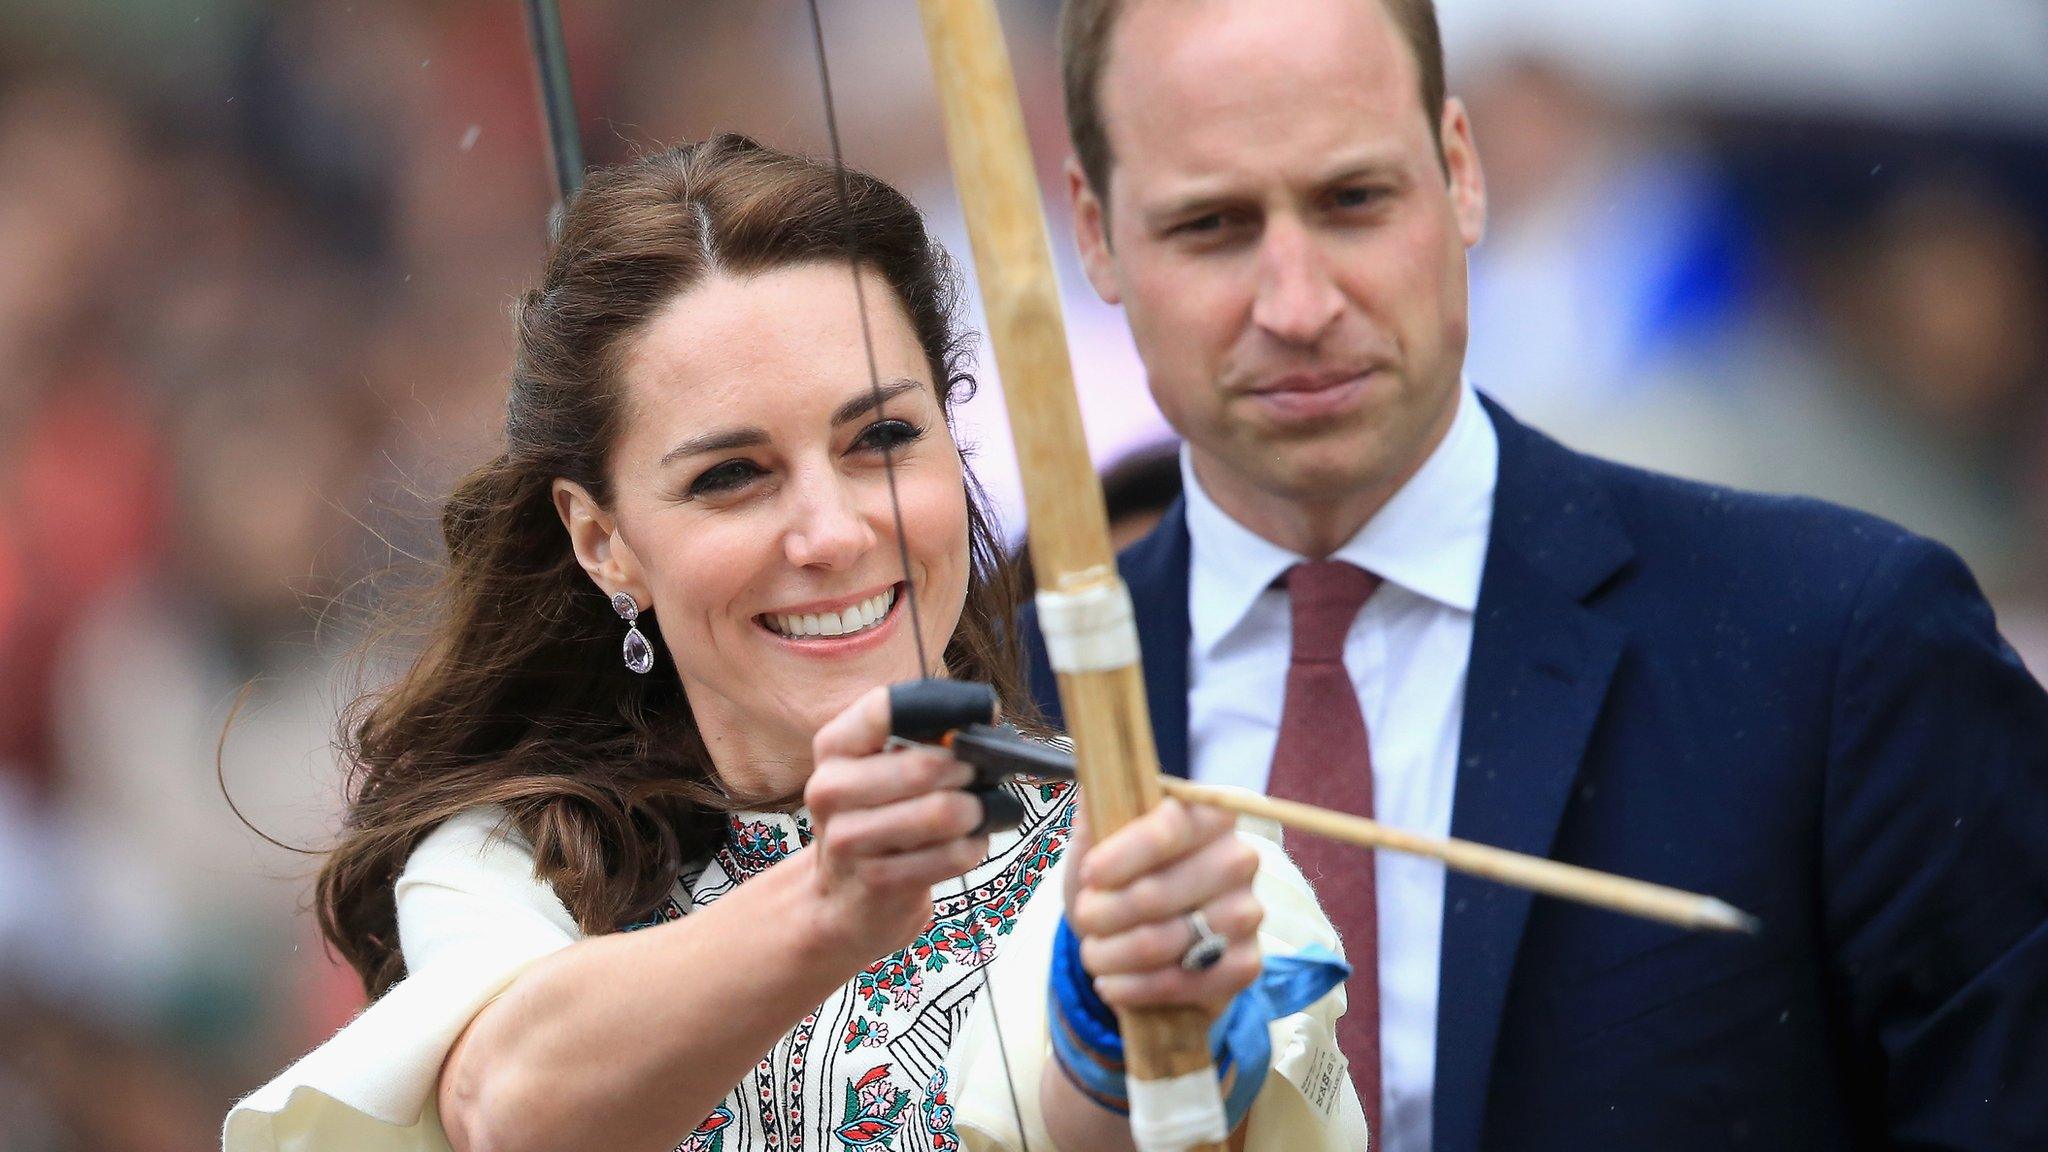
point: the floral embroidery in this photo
(938, 1114)
(969, 937)
(710, 1135)
(755, 842)
(883, 1007)
(759, 839)
(984, 948)
(866, 1032)
(962, 938)
(666, 911)
(874, 1106)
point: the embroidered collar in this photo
(756, 841)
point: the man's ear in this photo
(600, 549)
(1091, 233)
(1461, 166)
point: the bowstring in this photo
(867, 339)
(557, 102)
(895, 505)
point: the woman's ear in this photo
(600, 549)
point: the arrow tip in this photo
(1725, 917)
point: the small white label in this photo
(1326, 1072)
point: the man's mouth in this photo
(1307, 383)
(846, 621)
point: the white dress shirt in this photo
(1407, 653)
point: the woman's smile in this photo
(839, 627)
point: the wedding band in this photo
(1209, 946)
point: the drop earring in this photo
(639, 653)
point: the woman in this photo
(582, 886)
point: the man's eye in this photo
(726, 477)
(1360, 197)
(888, 435)
(1212, 222)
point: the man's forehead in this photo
(1201, 36)
(1179, 63)
(1212, 86)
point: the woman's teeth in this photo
(865, 614)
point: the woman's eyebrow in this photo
(871, 399)
(867, 401)
(715, 442)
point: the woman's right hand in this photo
(889, 825)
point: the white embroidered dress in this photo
(903, 1058)
(867, 1069)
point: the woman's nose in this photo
(830, 528)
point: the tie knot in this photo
(1325, 596)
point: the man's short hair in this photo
(1087, 25)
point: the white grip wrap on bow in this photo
(1177, 1114)
(1092, 630)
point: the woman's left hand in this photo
(1129, 899)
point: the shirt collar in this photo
(1429, 539)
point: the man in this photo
(1802, 710)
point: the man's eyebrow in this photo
(1369, 167)
(1187, 203)
(868, 400)
(871, 399)
(1214, 197)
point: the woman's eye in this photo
(888, 435)
(726, 477)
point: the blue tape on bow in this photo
(1085, 1039)
(1089, 1049)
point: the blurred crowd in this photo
(255, 264)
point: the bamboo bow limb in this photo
(1105, 708)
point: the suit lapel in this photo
(1540, 667)
(1156, 569)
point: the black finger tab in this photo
(1000, 811)
(999, 752)
(928, 709)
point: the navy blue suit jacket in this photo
(1803, 710)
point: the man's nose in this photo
(1298, 300)
(828, 529)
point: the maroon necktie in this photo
(1322, 758)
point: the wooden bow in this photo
(1104, 706)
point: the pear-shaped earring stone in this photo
(639, 653)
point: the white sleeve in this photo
(471, 918)
(1307, 1103)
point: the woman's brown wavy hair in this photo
(519, 697)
